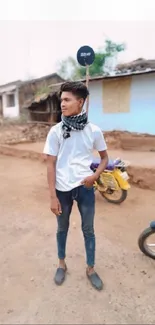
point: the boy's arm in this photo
(103, 164)
(51, 178)
(51, 149)
(101, 147)
(89, 181)
(51, 174)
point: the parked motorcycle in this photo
(113, 182)
(145, 239)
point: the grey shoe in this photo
(95, 280)
(60, 275)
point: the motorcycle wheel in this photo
(110, 196)
(142, 243)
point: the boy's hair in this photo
(77, 88)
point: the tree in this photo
(112, 48)
(70, 69)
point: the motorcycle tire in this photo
(142, 242)
(122, 198)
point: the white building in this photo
(9, 103)
(14, 95)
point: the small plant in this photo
(43, 90)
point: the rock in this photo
(10, 311)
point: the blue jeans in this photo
(85, 198)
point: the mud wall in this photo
(14, 133)
(130, 141)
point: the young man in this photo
(69, 147)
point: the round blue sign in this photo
(85, 55)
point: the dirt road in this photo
(28, 256)
(137, 158)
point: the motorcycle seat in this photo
(110, 166)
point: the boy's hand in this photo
(89, 181)
(55, 206)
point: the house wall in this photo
(141, 116)
(10, 111)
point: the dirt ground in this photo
(137, 158)
(141, 167)
(14, 133)
(28, 256)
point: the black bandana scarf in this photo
(75, 123)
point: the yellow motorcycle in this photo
(113, 182)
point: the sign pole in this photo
(86, 57)
(87, 85)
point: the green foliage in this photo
(70, 69)
(43, 90)
(96, 68)
(111, 47)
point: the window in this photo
(116, 95)
(10, 100)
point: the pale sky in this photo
(36, 34)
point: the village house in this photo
(45, 107)
(124, 99)
(14, 95)
(124, 102)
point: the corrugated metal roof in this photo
(42, 78)
(55, 87)
(13, 83)
(21, 82)
(117, 74)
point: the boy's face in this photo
(70, 104)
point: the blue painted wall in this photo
(141, 117)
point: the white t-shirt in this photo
(74, 154)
